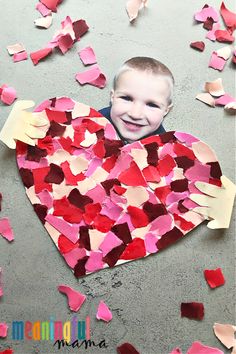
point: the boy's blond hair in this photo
(147, 64)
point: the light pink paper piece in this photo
(225, 333)
(1, 285)
(43, 22)
(111, 241)
(211, 34)
(199, 348)
(206, 12)
(46, 198)
(75, 298)
(224, 100)
(92, 76)
(94, 262)
(150, 243)
(8, 95)
(133, 7)
(43, 9)
(216, 62)
(103, 312)
(20, 56)
(15, 48)
(3, 330)
(87, 56)
(72, 232)
(6, 230)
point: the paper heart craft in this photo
(105, 203)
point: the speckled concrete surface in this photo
(145, 295)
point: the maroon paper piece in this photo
(192, 310)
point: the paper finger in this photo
(23, 104)
(203, 211)
(213, 224)
(207, 188)
(202, 200)
(39, 119)
(26, 139)
(34, 132)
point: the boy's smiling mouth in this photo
(132, 125)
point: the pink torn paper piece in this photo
(225, 333)
(211, 34)
(1, 285)
(133, 7)
(229, 18)
(43, 9)
(224, 100)
(215, 88)
(75, 298)
(199, 348)
(103, 312)
(51, 4)
(200, 46)
(7, 94)
(216, 62)
(15, 48)
(224, 36)
(3, 330)
(207, 11)
(92, 76)
(176, 351)
(40, 54)
(43, 22)
(20, 56)
(87, 56)
(65, 43)
(6, 229)
(205, 97)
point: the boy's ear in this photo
(169, 108)
(111, 96)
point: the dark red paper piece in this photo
(179, 185)
(80, 27)
(224, 36)
(55, 174)
(152, 157)
(214, 277)
(109, 183)
(56, 129)
(184, 162)
(41, 211)
(169, 237)
(0, 201)
(228, 17)
(112, 257)
(27, 177)
(35, 154)
(134, 250)
(79, 200)
(154, 210)
(122, 231)
(198, 45)
(126, 348)
(79, 269)
(208, 24)
(138, 217)
(215, 170)
(40, 54)
(192, 310)
(65, 43)
(112, 147)
(168, 137)
(84, 240)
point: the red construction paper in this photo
(75, 298)
(198, 45)
(40, 54)
(224, 36)
(80, 27)
(51, 4)
(214, 277)
(132, 176)
(199, 348)
(134, 250)
(6, 229)
(208, 24)
(192, 310)
(228, 17)
(7, 351)
(126, 348)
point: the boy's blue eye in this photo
(153, 105)
(126, 98)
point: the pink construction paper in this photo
(1, 289)
(32, 164)
(211, 34)
(186, 138)
(6, 230)
(73, 256)
(224, 100)
(209, 11)
(216, 62)
(46, 198)
(97, 193)
(111, 210)
(150, 243)
(43, 9)
(92, 76)
(94, 262)
(95, 163)
(8, 95)
(75, 298)
(64, 104)
(65, 43)
(162, 224)
(64, 227)
(3, 330)
(174, 197)
(103, 312)
(43, 105)
(20, 56)
(87, 56)
(198, 172)
(110, 241)
(199, 348)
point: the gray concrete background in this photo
(145, 295)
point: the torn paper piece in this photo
(22, 125)
(207, 11)
(231, 107)
(51, 4)
(40, 54)
(87, 56)
(199, 348)
(176, 351)
(15, 48)
(228, 17)
(213, 200)
(0, 201)
(20, 56)
(225, 333)
(216, 62)
(234, 57)
(75, 298)
(79, 164)
(6, 229)
(3, 330)
(43, 9)
(65, 42)
(43, 22)
(208, 24)
(215, 88)
(224, 36)
(205, 97)
(7, 351)
(80, 27)
(80, 110)
(92, 76)
(126, 348)
(224, 52)
(203, 152)
(103, 312)
(133, 7)
(8, 95)
(198, 45)
(211, 34)
(224, 100)
(192, 310)
(214, 277)
(1, 284)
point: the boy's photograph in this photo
(152, 79)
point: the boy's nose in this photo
(136, 111)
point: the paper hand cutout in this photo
(217, 203)
(24, 126)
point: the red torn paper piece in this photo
(0, 201)
(80, 27)
(198, 45)
(87, 56)
(224, 36)
(20, 56)
(3, 330)
(135, 249)
(103, 312)
(214, 277)
(92, 76)
(51, 4)
(1, 289)
(199, 348)
(6, 230)
(217, 62)
(208, 24)
(225, 333)
(7, 94)
(7, 351)
(43, 9)
(75, 298)
(126, 348)
(132, 176)
(15, 48)
(65, 43)
(192, 310)
(40, 54)
(206, 12)
(228, 17)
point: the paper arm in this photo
(24, 126)
(216, 203)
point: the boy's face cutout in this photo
(139, 103)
